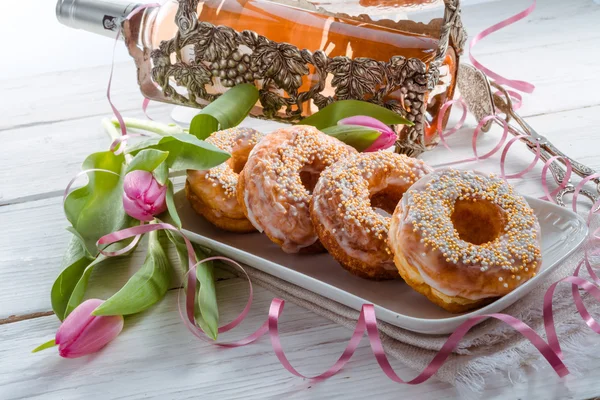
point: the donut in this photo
(212, 193)
(343, 209)
(275, 187)
(464, 238)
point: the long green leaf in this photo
(207, 314)
(161, 173)
(359, 137)
(206, 308)
(69, 288)
(96, 209)
(146, 287)
(78, 293)
(74, 264)
(330, 115)
(203, 125)
(233, 106)
(147, 160)
(185, 151)
(171, 205)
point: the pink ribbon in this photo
(80, 174)
(442, 115)
(112, 67)
(366, 322)
(518, 85)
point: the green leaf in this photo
(96, 209)
(74, 264)
(44, 346)
(185, 151)
(330, 115)
(232, 106)
(359, 137)
(180, 249)
(147, 160)
(69, 288)
(206, 308)
(203, 125)
(207, 312)
(171, 206)
(161, 173)
(146, 287)
(77, 294)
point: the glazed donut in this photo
(212, 193)
(275, 187)
(342, 209)
(464, 238)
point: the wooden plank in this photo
(71, 94)
(156, 357)
(552, 22)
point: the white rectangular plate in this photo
(395, 302)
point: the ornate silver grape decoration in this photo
(287, 77)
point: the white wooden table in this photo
(50, 122)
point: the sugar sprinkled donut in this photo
(275, 186)
(463, 238)
(213, 193)
(343, 209)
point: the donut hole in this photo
(384, 202)
(477, 222)
(309, 179)
(237, 163)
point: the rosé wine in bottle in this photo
(301, 55)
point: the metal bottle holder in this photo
(217, 44)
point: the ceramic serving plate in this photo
(395, 302)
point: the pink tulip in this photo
(385, 140)
(82, 333)
(143, 197)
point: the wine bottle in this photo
(301, 57)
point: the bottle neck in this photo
(103, 17)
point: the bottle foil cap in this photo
(103, 17)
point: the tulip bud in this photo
(82, 333)
(143, 197)
(387, 136)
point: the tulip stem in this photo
(114, 134)
(150, 126)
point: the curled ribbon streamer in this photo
(189, 319)
(527, 169)
(145, 104)
(367, 321)
(578, 189)
(476, 133)
(442, 115)
(515, 98)
(122, 141)
(550, 195)
(112, 66)
(80, 174)
(515, 84)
